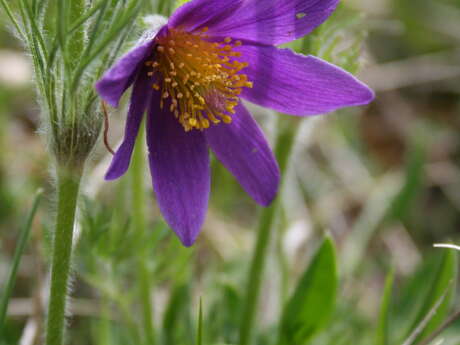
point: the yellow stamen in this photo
(199, 81)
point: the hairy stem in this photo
(76, 44)
(283, 148)
(68, 183)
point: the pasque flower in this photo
(190, 79)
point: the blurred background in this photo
(382, 180)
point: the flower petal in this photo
(196, 14)
(243, 149)
(179, 163)
(299, 85)
(270, 22)
(139, 100)
(120, 77)
(274, 21)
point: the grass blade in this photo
(442, 288)
(382, 333)
(177, 320)
(416, 333)
(199, 334)
(23, 237)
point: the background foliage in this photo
(366, 194)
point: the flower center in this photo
(199, 80)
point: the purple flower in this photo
(191, 78)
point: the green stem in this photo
(282, 262)
(139, 223)
(283, 148)
(68, 183)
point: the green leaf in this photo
(121, 22)
(381, 337)
(13, 19)
(313, 301)
(443, 284)
(23, 237)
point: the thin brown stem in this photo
(106, 127)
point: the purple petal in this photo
(179, 163)
(196, 14)
(242, 148)
(120, 77)
(139, 100)
(268, 22)
(299, 85)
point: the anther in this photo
(230, 109)
(227, 119)
(205, 123)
